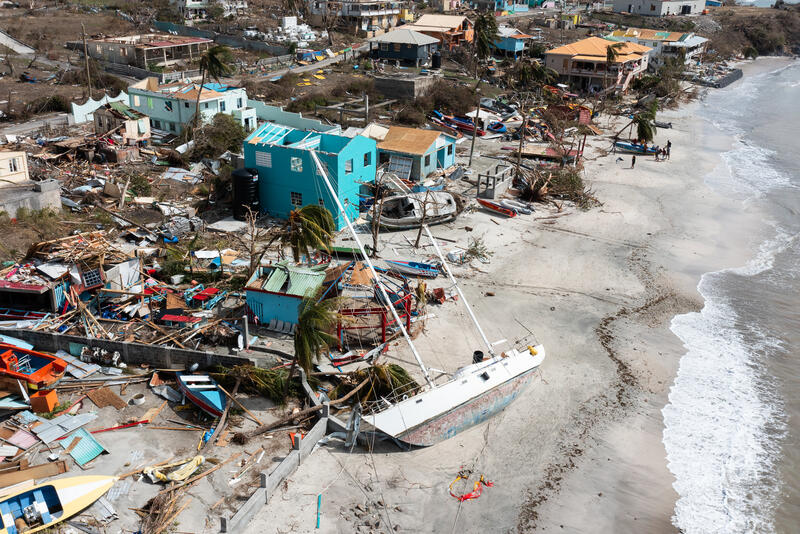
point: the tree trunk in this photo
(196, 120)
(289, 378)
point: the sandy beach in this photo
(581, 449)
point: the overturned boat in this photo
(412, 210)
(469, 396)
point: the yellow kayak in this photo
(44, 505)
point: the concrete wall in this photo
(132, 353)
(658, 8)
(276, 114)
(34, 196)
(227, 40)
(404, 88)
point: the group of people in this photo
(661, 154)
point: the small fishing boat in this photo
(661, 124)
(635, 148)
(519, 207)
(204, 392)
(413, 268)
(402, 212)
(465, 124)
(497, 208)
(38, 369)
(44, 505)
(497, 127)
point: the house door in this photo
(440, 158)
(630, 8)
(686, 10)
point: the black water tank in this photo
(245, 192)
(436, 61)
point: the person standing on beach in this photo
(667, 152)
(633, 161)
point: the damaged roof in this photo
(409, 140)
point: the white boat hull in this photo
(475, 393)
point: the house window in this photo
(427, 160)
(168, 105)
(296, 199)
(367, 159)
(157, 124)
(384, 47)
(296, 164)
(449, 150)
(13, 166)
(652, 7)
(149, 102)
(264, 159)
(397, 47)
(186, 104)
(348, 166)
(238, 102)
(205, 105)
(172, 127)
(135, 100)
(222, 105)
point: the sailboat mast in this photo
(385, 295)
(460, 293)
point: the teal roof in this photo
(301, 281)
(127, 111)
(87, 448)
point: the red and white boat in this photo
(497, 208)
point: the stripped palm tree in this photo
(645, 122)
(308, 228)
(213, 64)
(612, 52)
(485, 34)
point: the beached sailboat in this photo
(42, 506)
(497, 208)
(38, 369)
(408, 211)
(471, 395)
(204, 392)
(413, 268)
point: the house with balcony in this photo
(665, 44)
(584, 64)
(171, 106)
(364, 17)
(288, 177)
(451, 30)
(145, 50)
(199, 9)
(660, 8)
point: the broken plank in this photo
(33, 473)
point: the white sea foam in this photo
(720, 425)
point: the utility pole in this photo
(522, 132)
(86, 58)
(475, 127)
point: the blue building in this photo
(404, 45)
(511, 42)
(274, 293)
(288, 178)
(413, 154)
(501, 5)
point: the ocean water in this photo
(732, 423)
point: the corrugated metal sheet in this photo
(77, 368)
(49, 431)
(23, 439)
(302, 282)
(86, 450)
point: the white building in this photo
(665, 44)
(198, 9)
(660, 8)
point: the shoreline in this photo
(580, 450)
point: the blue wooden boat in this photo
(204, 392)
(40, 507)
(497, 127)
(413, 268)
(635, 148)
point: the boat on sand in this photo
(413, 268)
(402, 212)
(497, 208)
(204, 392)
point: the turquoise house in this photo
(170, 106)
(511, 42)
(288, 177)
(501, 5)
(412, 154)
(274, 293)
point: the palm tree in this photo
(315, 321)
(644, 122)
(485, 34)
(612, 51)
(214, 65)
(308, 228)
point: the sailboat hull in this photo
(467, 415)
(474, 394)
